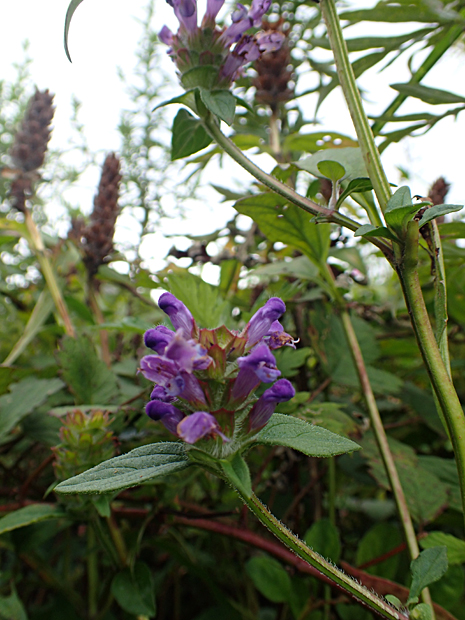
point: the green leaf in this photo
(30, 514)
(368, 230)
(349, 158)
(400, 209)
(427, 568)
(237, 472)
(187, 99)
(188, 136)
(222, 103)
(73, 5)
(11, 607)
(128, 470)
(313, 142)
(422, 611)
(356, 185)
(288, 224)
(455, 546)
(452, 230)
(433, 96)
(331, 170)
(270, 578)
(323, 537)
(436, 211)
(23, 398)
(201, 76)
(88, 377)
(283, 430)
(393, 13)
(134, 590)
(378, 541)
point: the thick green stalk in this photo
(37, 245)
(353, 588)
(436, 54)
(354, 102)
(282, 189)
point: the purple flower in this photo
(277, 337)
(164, 372)
(262, 320)
(198, 425)
(234, 32)
(188, 354)
(167, 414)
(180, 316)
(239, 13)
(166, 36)
(258, 10)
(263, 409)
(270, 41)
(213, 7)
(158, 338)
(160, 393)
(186, 12)
(259, 365)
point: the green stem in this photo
(354, 589)
(92, 572)
(118, 541)
(437, 371)
(93, 302)
(436, 53)
(354, 102)
(282, 189)
(37, 245)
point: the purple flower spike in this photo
(277, 337)
(263, 409)
(258, 10)
(186, 12)
(167, 414)
(270, 42)
(164, 372)
(261, 321)
(198, 425)
(259, 365)
(186, 353)
(179, 314)
(191, 390)
(234, 32)
(158, 338)
(166, 36)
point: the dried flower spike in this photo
(98, 235)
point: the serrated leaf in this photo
(288, 224)
(455, 546)
(283, 430)
(331, 170)
(134, 590)
(437, 211)
(323, 537)
(23, 398)
(30, 514)
(433, 96)
(188, 136)
(128, 470)
(88, 377)
(237, 472)
(349, 158)
(222, 103)
(73, 5)
(427, 568)
(201, 76)
(270, 578)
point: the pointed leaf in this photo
(30, 514)
(188, 136)
(433, 96)
(368, 230)
(436, 211)
(128, 470)
(427, 568)
(283, 430)
(400, 209)
(237, 472)
(73, 5)
(356, 185)
(222, 103)
(455, 546)
(187, 99)
(270, 578)
(134, 590)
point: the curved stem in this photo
(284, 190)
(354, 589)
(354, 102)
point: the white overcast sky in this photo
(104, 35)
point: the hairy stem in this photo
(354, 103)
(37, 245)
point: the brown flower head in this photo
(438, 191)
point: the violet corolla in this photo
(211, 57)
(205, 379)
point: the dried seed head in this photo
(274, 71)
(98, 235)
(30, 145)
(438, 191)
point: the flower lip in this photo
(263, 409)
(178, 313)
(167, 414)
(262, 320)
(198, 425)
(158, 338)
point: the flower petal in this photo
(179, 314)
